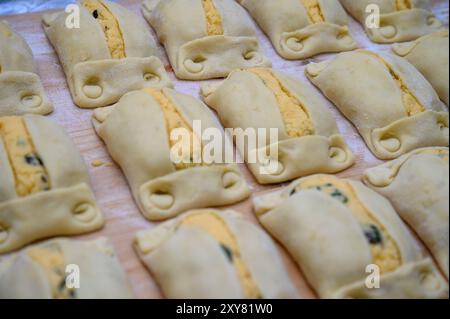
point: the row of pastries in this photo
(332, 227)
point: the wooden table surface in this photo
(123, 218)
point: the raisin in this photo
(293, 192)
(373, 235)
(95, 14)
(31, 159)
(227, 252)
(338, 195)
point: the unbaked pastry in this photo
(212, 254)
(334, 228)
(417, 184)
(300, 29)
(44, 184)
(308, 138)
(41, 272)
(400, 20)
(391, 104)
(205, 39)
(429, 54)
(136, 132)
(21, 90)
(112, 52)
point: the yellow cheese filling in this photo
(174, 120)
(403, 5)
(314, 11)
(214, 24)
(410, 102)
(51, 260)
(29, 171)
(295, 116)
(385, 252)
(110, 26)
(217, 228)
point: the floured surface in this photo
(122, 216)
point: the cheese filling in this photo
(314, 11)
(110, 26)
(51, 260)
(444, 154)
(214, 24)
(29, 171)
(403, 5)
(385, 252)
(410, 102)
(174, 120)
(295, 116)
(217, 228)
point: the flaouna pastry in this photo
(417, 185)
(399, 20)
(44, 184)
(21, 90)
(110, 53)
(344, 236)
(300, 29)
(205, 39)
(308, 140)
(391, 104)
(137, 132)
(429, 54)
(212, 254)
(46, 271)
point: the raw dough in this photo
(400, 20)
(335, 228)
(391, 104)
(136, 133)
(300, 29)
(212, 254)
(111, 53)
(417, 185)
(205, 39)
(429, 54)
(308, 139)
(44, 184)
(21, 90)
(39, 272)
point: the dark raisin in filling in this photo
(95, 14)
(227, 252)
(373, 235)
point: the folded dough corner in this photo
(300, 29)
(112, 52)
(335, 229)
(137, 132)
(417, 185)
(308, 138)
(21, 90)
(205, 39)
(39, 272)
(430, 55)
(399, 20)
(44, 184)
(394, 108)
(214, 254)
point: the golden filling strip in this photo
(51, 260)
(440, 153)
(403, 5)
(214, 24)
(314, 11)
(29, 171)
(218, 229)
(295, 116)
(174, 120)
(385, 252)
(110, 26)
(410, 102)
